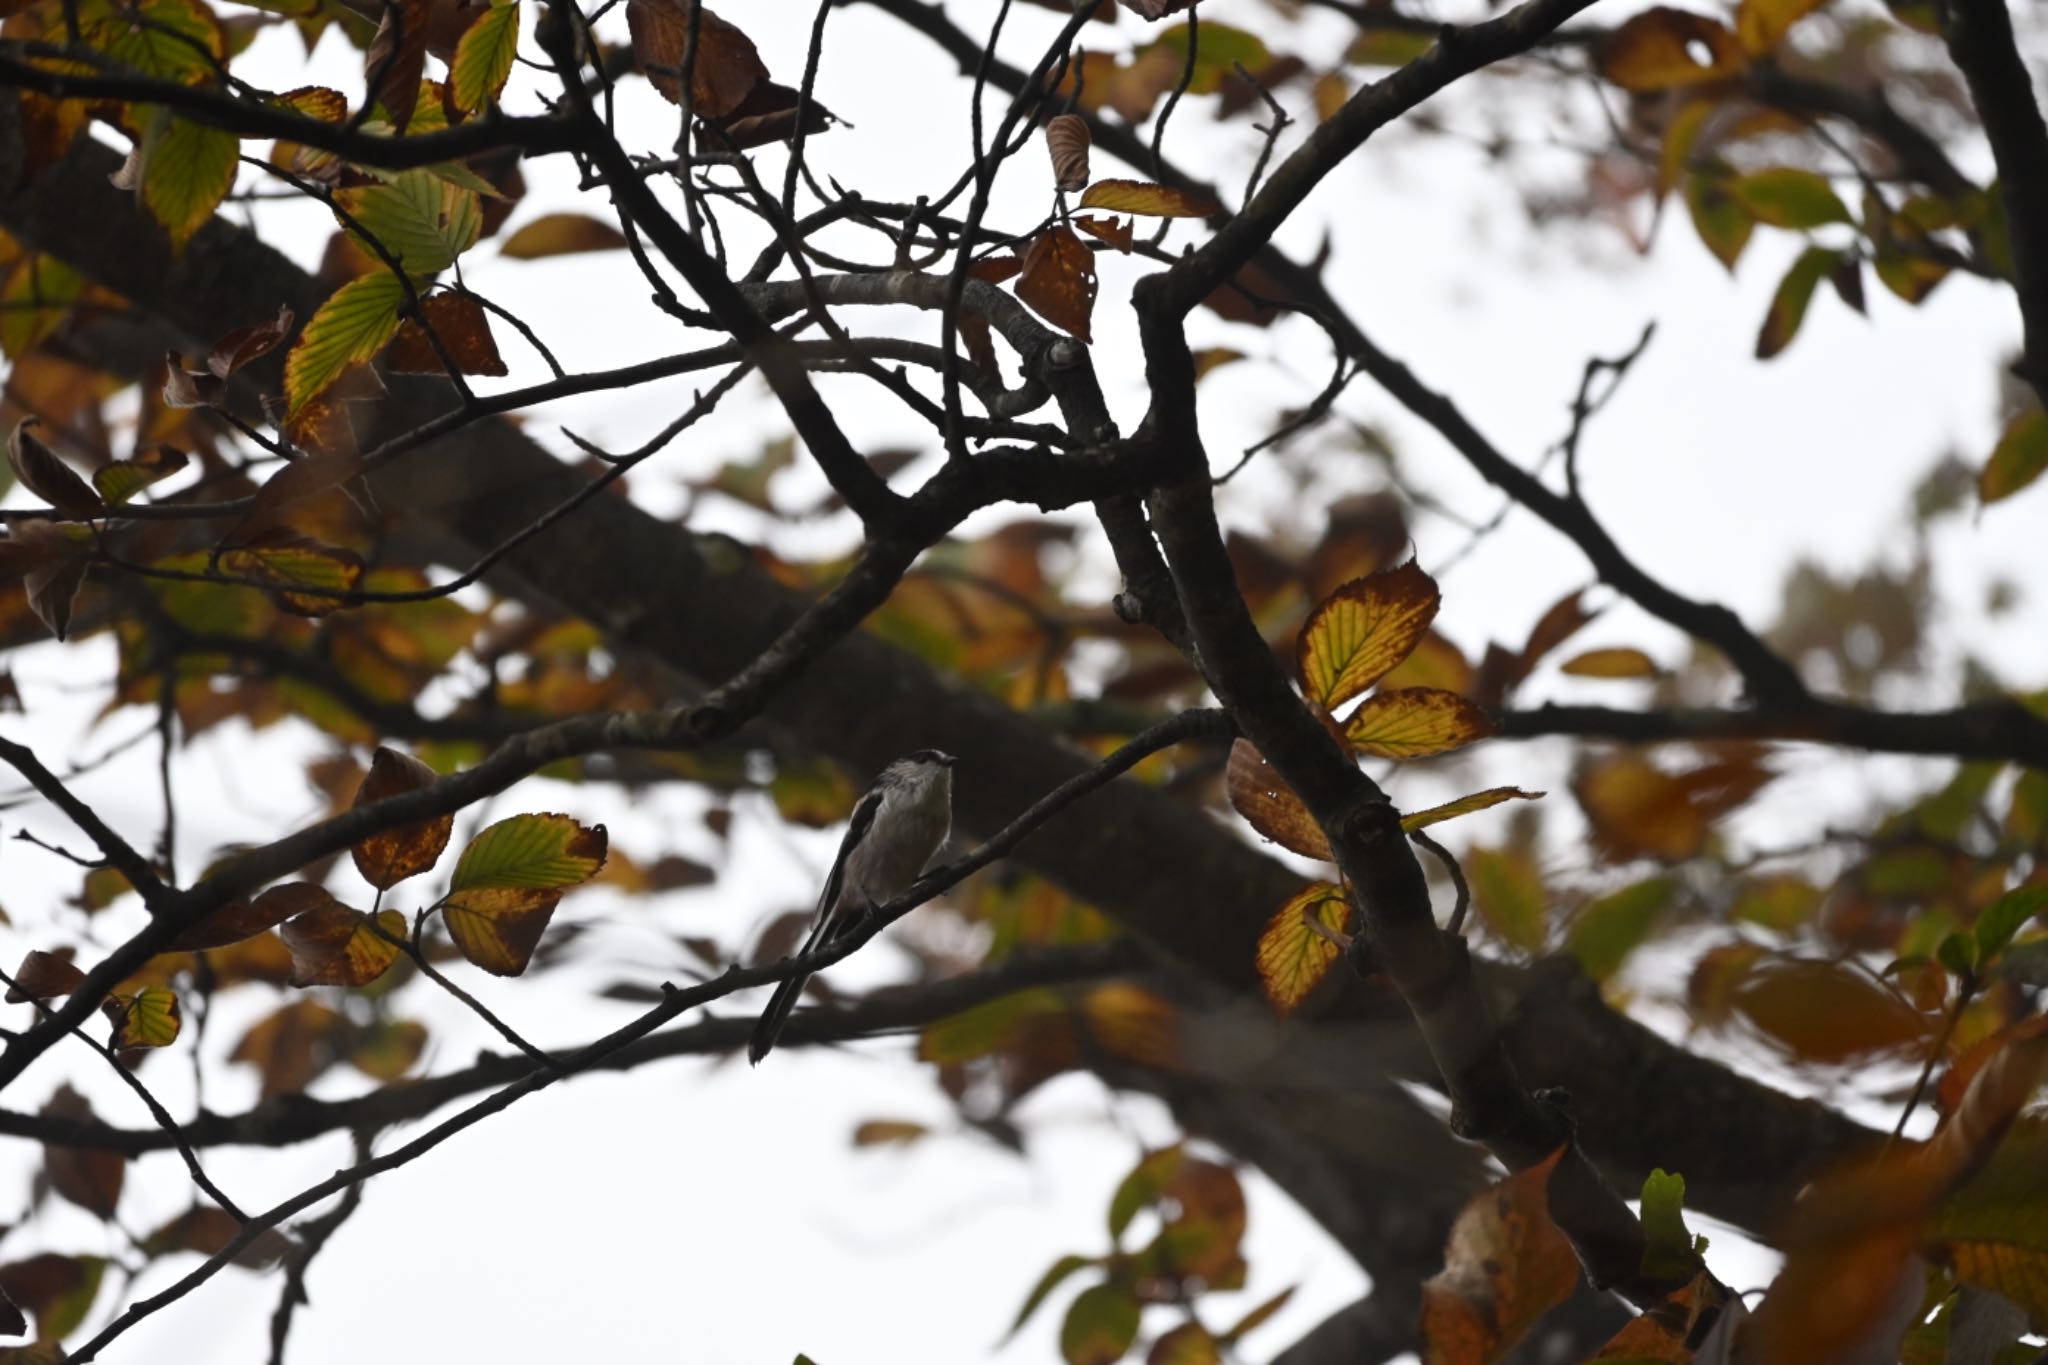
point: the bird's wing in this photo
(856, 830)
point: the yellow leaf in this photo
(561, 234)
(333, 945)
(1664, 49)
(483, 57)
(1762, 24)
(1293, 957)
(292, 561)
(1257, 793)
(1416, 722)
(350, 327)
(1143, 197)
(187, 169)
(148, 1018)
(1362, 630)
(1612, 663)
(1465, 805)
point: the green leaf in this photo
(1788, 305)
(187, 169)
(483, 59)
(1610, 928)
(1146, 1182)
(1719, 218)
(531, 852)
(1667, 1246)
(148, 1018)
(35, 301)
(1957, 953)
(1788, 197)
(350, 327)
(1464, 805)
(986, 1027)
(2021, 455)
(1049, 1281)
(1508, 894)
(2006, 916)
(168, 39)
(1101, 1324)
(419, 218)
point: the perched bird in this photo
(895, 830)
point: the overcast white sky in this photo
(710, 1213)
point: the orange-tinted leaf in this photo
(561, 234)
(333, 945)
(1662, 49)
(42, 473)
(1362, 630)
(1639, 810)
(464, 329)
(1127, 1020)
(1257, 793)
(1119, 233)
(88, 1178)
(1465, 805)
(1416, 722)
(1058, 280)
(148, 1018)
(724, 70)
(246, 919)
(1293, 957)
(1827, 1012)
(44, 976)
(1612, 663)
(1506, 1266)
(1645, 1341)
(1142, 197)
(388, 858)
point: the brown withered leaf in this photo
(464, 329)
(42, 473)
(1067, 141)
(245, 344)
(1617, 661)
(388, 858)
(1506, 1266)
(44, 976)
(723, 71)
(767, 114)
(292, 1046)
(333, 945)
(1638, 810)
(242, 919)
(1257, 793)
(52, 585)
(297, 482)
(1058, 281)
(208, 1230)
(88, 1178)
(185, 389)
(1117, 232)
(397, 58)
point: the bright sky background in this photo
(703, 1212)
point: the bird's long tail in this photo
(774, 1017)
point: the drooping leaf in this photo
(1188, 1344)
(1608, 929)
(58, 1290)
(420, 219)
(1506, 1266)
(1998, 922)
(387, 858)
(1122, 234)
(1293, 958)
(1362, 630)
(42, 473)
(44, 976)
(508, 881)
(333, 945)
(561, 234)
(397, 58)
(483, 58)
(1718, 216)
(723, 71)
(187, 169)
(1259, 1316)
(350, 327)
(1789, 197)
(464, 330)
(1788, 305)
(1143, 197)
(2018, 459)
(1638, 810)
(245, 344)
(1416, 722)
(88, 1177)
(1100, 1325)
(388, 1048)
(1058, 280)
(38, 296)
(1051, 1280)
(1664, 49)
(1067, 141)
(1257, 793)
(245, 919)
(207, 1231)
(1465, 805)
(147, 1018)
(291, 1046)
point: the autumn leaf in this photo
(86, 1176)
(1100, 1325)
(462, 326)
(888, 1133)
(1257, 793)
(1618, 662)
(1143, 197)
(1293, 958)
(244, 344)
(1789, 197)
(397, 58)
(1506, 1266)
(724, 70)
(1763, 24)
(1638, 810)
(1067, 141)
(1663, 49)
(1362, 630)
(187, 168)
(1509, 895)
(44, 976)
(207, 1231)
(1121, 234)
(1187, 1344)
(350, 327)
(1465, 805)
(146, 1018)
(422, 221)
(2018, 459)
(333, 945)
(293, 564)
(483, 57)
(1788, 304)
(1416, 722)
(507, 882)
(42, 473)
(387, 858)
(1058, 280)
(1827, 1012)
(245, 919)
(1056, 1274)
(561, 234)
(987, 1027)
(1719, 218)
(123, 479)
(290, 1046)
(1607, 929)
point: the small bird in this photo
(895, 830)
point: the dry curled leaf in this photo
(1067, 139)
(1058, 282)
